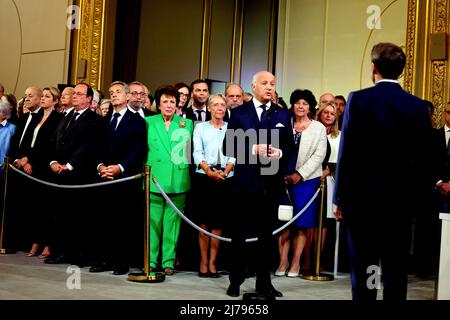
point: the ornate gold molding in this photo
(411, 31)
(439, 69)
(424, 77)
(88, 43)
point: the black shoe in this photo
(233, 290)
(56, 260)
(203, 274)
(122, 269)
(270, 290)
(100, 267)
(214, 274)
(255, 296)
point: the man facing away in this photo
(383, 176)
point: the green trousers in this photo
(164, 229)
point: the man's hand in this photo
(338, 213)
(444, 188)
(261, 150)
(274, 153)
(56, 167)
(293, 178)
(265, 151)
(20, 163)
(109, 172)
(28, 168)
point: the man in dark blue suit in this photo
(260, 137)
(383, 176)
(121, 216)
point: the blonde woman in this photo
(212, 177)
(36, 160)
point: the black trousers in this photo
(253, 216)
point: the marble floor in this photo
(24, 278)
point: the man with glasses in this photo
(137, 98)
(73, 161)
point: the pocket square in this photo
(279, 125)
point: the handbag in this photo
(286, 212)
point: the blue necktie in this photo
(113, 123)
(263, 114)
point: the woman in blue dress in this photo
(311, 140)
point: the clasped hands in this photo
(23, 164)
(271, 153)
(216, 175)
(58, 168)
(109, 172)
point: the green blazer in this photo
(169, 153)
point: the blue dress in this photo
(302, 193)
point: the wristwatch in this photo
(225, 174)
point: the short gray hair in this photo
(5, 109)
(123, 84)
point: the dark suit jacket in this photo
(190, 114)
(126, 146)
(79, 145)
(248, 177)
(442, 158)
(384, 152)
(39, 154)
(148, 113)
(19, 151)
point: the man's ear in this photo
(374, 69)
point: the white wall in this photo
(34, 44)
(324, 45)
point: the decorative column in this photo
(427, 71)
(87, 44)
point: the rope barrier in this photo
(65, 186)
(186, 219)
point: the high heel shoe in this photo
(280, 273)
(293, 274)
(45, 253)
(33, 251)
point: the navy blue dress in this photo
(302, 193)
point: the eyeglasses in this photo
(184, 94)
(79, 93)
(138, 94)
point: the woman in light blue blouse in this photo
(7, 130)
(212, 175)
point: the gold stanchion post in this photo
(317, 276)
(147, 276)
(5, 189)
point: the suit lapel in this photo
(163, 134)
(253, 115)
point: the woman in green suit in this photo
(169, 154)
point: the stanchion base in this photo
(319, 277)
(6, 251)
(152, 277)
